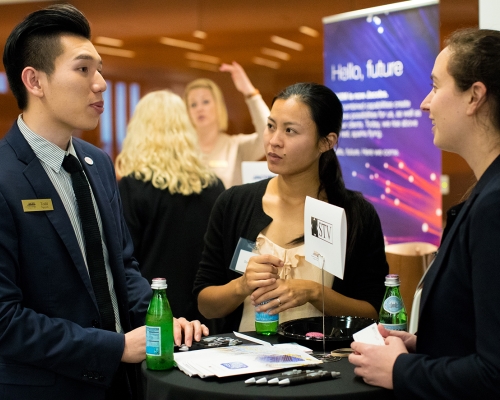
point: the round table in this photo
(175, 385)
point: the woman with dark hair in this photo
(299, 142)
(456, 354)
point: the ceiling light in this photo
(204, 66)
(287, 43)
(181, 43)
(108, 41)
(308, 31)
(115, 52)
(200, 34)
(265, 62)
(203, 57)
(275, 53)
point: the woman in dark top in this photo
(299, 142)
(167, 194)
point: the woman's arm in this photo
(251, 146)
(219, 301)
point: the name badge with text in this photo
(37, 205)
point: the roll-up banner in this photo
(378, 61)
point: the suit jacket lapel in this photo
(44, 189)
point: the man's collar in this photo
(46, 151)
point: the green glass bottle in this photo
(392, 312)
(266, 324)
(159, 329)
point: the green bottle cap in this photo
(392, 280)
(159, 283)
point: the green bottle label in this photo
(393, 304)
(153, 340)
(264, 316)
(395, 327)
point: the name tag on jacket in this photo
(37, 205)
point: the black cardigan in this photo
(238, 213)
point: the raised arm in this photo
(252, 145)
(240, 79)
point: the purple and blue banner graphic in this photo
(379, 64)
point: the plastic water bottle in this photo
(159, 329)
(393, 313)
(266, 324)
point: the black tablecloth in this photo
(175, 385)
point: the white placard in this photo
(325, 235)
(369, 335)
(253, 171)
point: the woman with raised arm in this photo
(299, 142)
(456, 354)
(224, 153)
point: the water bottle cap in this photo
(392, 280)
(159, 283)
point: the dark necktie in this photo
(93, 243)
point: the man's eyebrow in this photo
(88, 57)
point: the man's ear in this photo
(328, 142)
(31, 79)
(477, 97)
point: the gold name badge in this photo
(37, 205)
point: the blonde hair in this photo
(161, 146)
(220, 105)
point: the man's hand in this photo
(188, 329)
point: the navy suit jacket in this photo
(49, 346)
(458, 349)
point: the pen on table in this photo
(311, 377)
(262, 380)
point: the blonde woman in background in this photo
(167, 193)
(207, 110)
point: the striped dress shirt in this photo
(51, 157)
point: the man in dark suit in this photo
(54, 341)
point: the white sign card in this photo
(369, 335)
(325, 236)
(253, 171)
